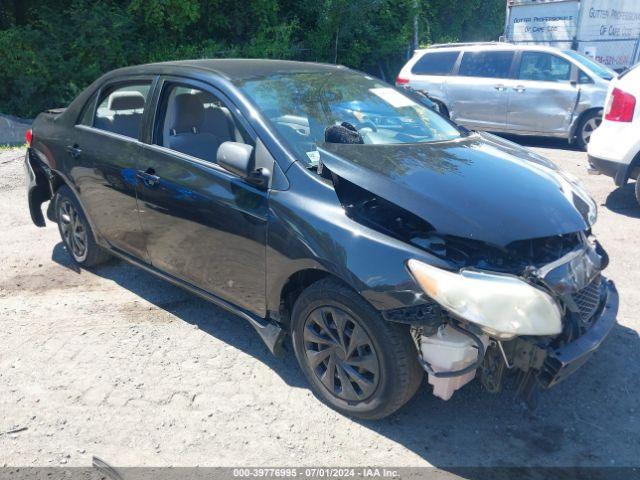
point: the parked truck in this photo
(606, 30)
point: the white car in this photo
(614, 148)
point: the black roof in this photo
(237, 69)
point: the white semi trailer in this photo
(606, 30)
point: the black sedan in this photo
(321, 203)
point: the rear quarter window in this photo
(435, 63)
(86, 117)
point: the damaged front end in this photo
(537, 308)
(540, 323)
(589, 305)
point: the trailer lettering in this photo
(522, 20)
(593, 13)
(609, 27)
(627, 16)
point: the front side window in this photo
(301, 105)
(544, 67)
(435, 63)
(195, 122)
(120, 109)
(486, 64)
(584, 78)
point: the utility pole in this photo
(415, 25)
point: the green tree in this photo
(52, 49)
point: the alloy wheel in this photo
(588, 128)
(341, 354)
(73, 230)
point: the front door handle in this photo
(500, 88)
(519, 88)
(149, 177)
(74, 150)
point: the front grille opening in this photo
(588, 300)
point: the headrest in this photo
(220, 121)
(188, 113)
(205, 97)
(343, 133)
(126, 100)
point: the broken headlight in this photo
(502, 305)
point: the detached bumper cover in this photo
(37, 190)
(562, 362)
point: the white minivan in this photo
(517, 89)
(615, 146)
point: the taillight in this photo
(28, 136)
(401, 81)
(620, 107)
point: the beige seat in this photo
(185, 133)
(127, 108)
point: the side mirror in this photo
(236, 158)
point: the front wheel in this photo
(638, 189)
(355, 361)
(587, 126)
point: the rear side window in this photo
(120, 109)
(544, 67)
(486, 64)
(435, 63)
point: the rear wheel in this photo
(355, 361)
(587, 126)
(75, 230)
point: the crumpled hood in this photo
(480, 187)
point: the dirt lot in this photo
(119, 364)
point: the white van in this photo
(518, 89)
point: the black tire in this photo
(75, 230)
(588, 124)
(638, 189)
(389, 382)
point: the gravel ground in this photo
(121, 365)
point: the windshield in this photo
(596, 67)
(301, 105)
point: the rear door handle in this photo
(500, 87)
(74, 150)
(519, 88)
(149, 177)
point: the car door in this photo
(477, 91)
(542, 98)
(203, 224)
(104, 155)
